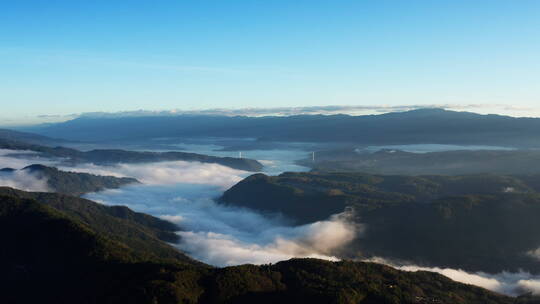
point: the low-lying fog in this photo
(184, 193)
(223, 235)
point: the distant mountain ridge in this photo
(111, 157)
(390, 161)
(416, 126)
(11, 135)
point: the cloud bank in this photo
(183, 192)
(18, 159)
(316, 240)
(224, 235)
(169, 173)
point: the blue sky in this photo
(64, 57)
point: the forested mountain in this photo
(51, 256)
(473, 222)
(413, 127)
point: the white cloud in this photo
(23, 180)
(225, 235)
(18, 159)
(169, 173)
(535, 253)
(508, 283)
(316, 240)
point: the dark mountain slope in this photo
(143, 233)
(477, 222)
(315, 281)
(418, 126)
(48, 257)
(327, 193)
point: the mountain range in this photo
(412, 127)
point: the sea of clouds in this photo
(225, 235)
(221, 235)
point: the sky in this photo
(59, 58)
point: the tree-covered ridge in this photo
(144, 234)
(49, 256)
(111, 157)
(473, 222)
(288, 192)
(63, 260)
(316, 281)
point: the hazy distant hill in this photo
(474, 222)
(418, 126)
(109, 157)
(447, 163)
(11, 135)
(50, 256)
(73, 183)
